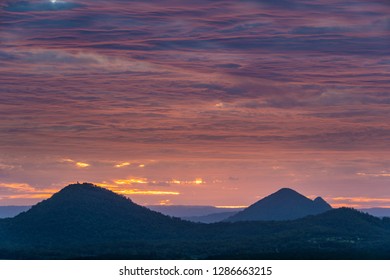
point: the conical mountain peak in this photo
(285, 204)
(286, 190)
(322, 204)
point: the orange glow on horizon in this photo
(339, 205)
(124, 187)
(231, 206)
(30, 196)
(361, 199)
(165, 202)
(119, 188)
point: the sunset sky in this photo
(207, 102)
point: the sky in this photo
(196, 102)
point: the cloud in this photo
(228, 65)
(23, 191)
(146, 192)
(82, 164)
(380, 174)
(123, 187)
(360, 202)
(131, 181)
(135, 180)
(198, 85)
(4, 166)
(40, 6)
(122, 164)
(78, 164)
(17, 187)
(361, 199)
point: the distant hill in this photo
(377, 212)
(12, 211)
(285, 204)
(211, 218)
(184, 211)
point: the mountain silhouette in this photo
(85, 213)
(285, 204)
(83, 221)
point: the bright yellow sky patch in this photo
(82, 164)
(123, 164)
(146, 192)
(131, 181)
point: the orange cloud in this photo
(361, 199)
(82, 164)
(164, 202)
(138, 180)
(359, 202)
(123, 164)
(197, 181)
(119, 187)
(67, 160)
(19, 187)
(78, 164)
(381, 174)
(30, 196)
(145, 192)
(338, 205)
(131, 181)
(12, 191)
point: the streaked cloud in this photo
(361, 199)
(380, 174)
(23, 192)
(360, 202)
(78, 164)
(131, 181)
(40, 6)
(4, 166)
(18, 187)
(146, 192)
(276, 93)
(124, 187)
(197, 181)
